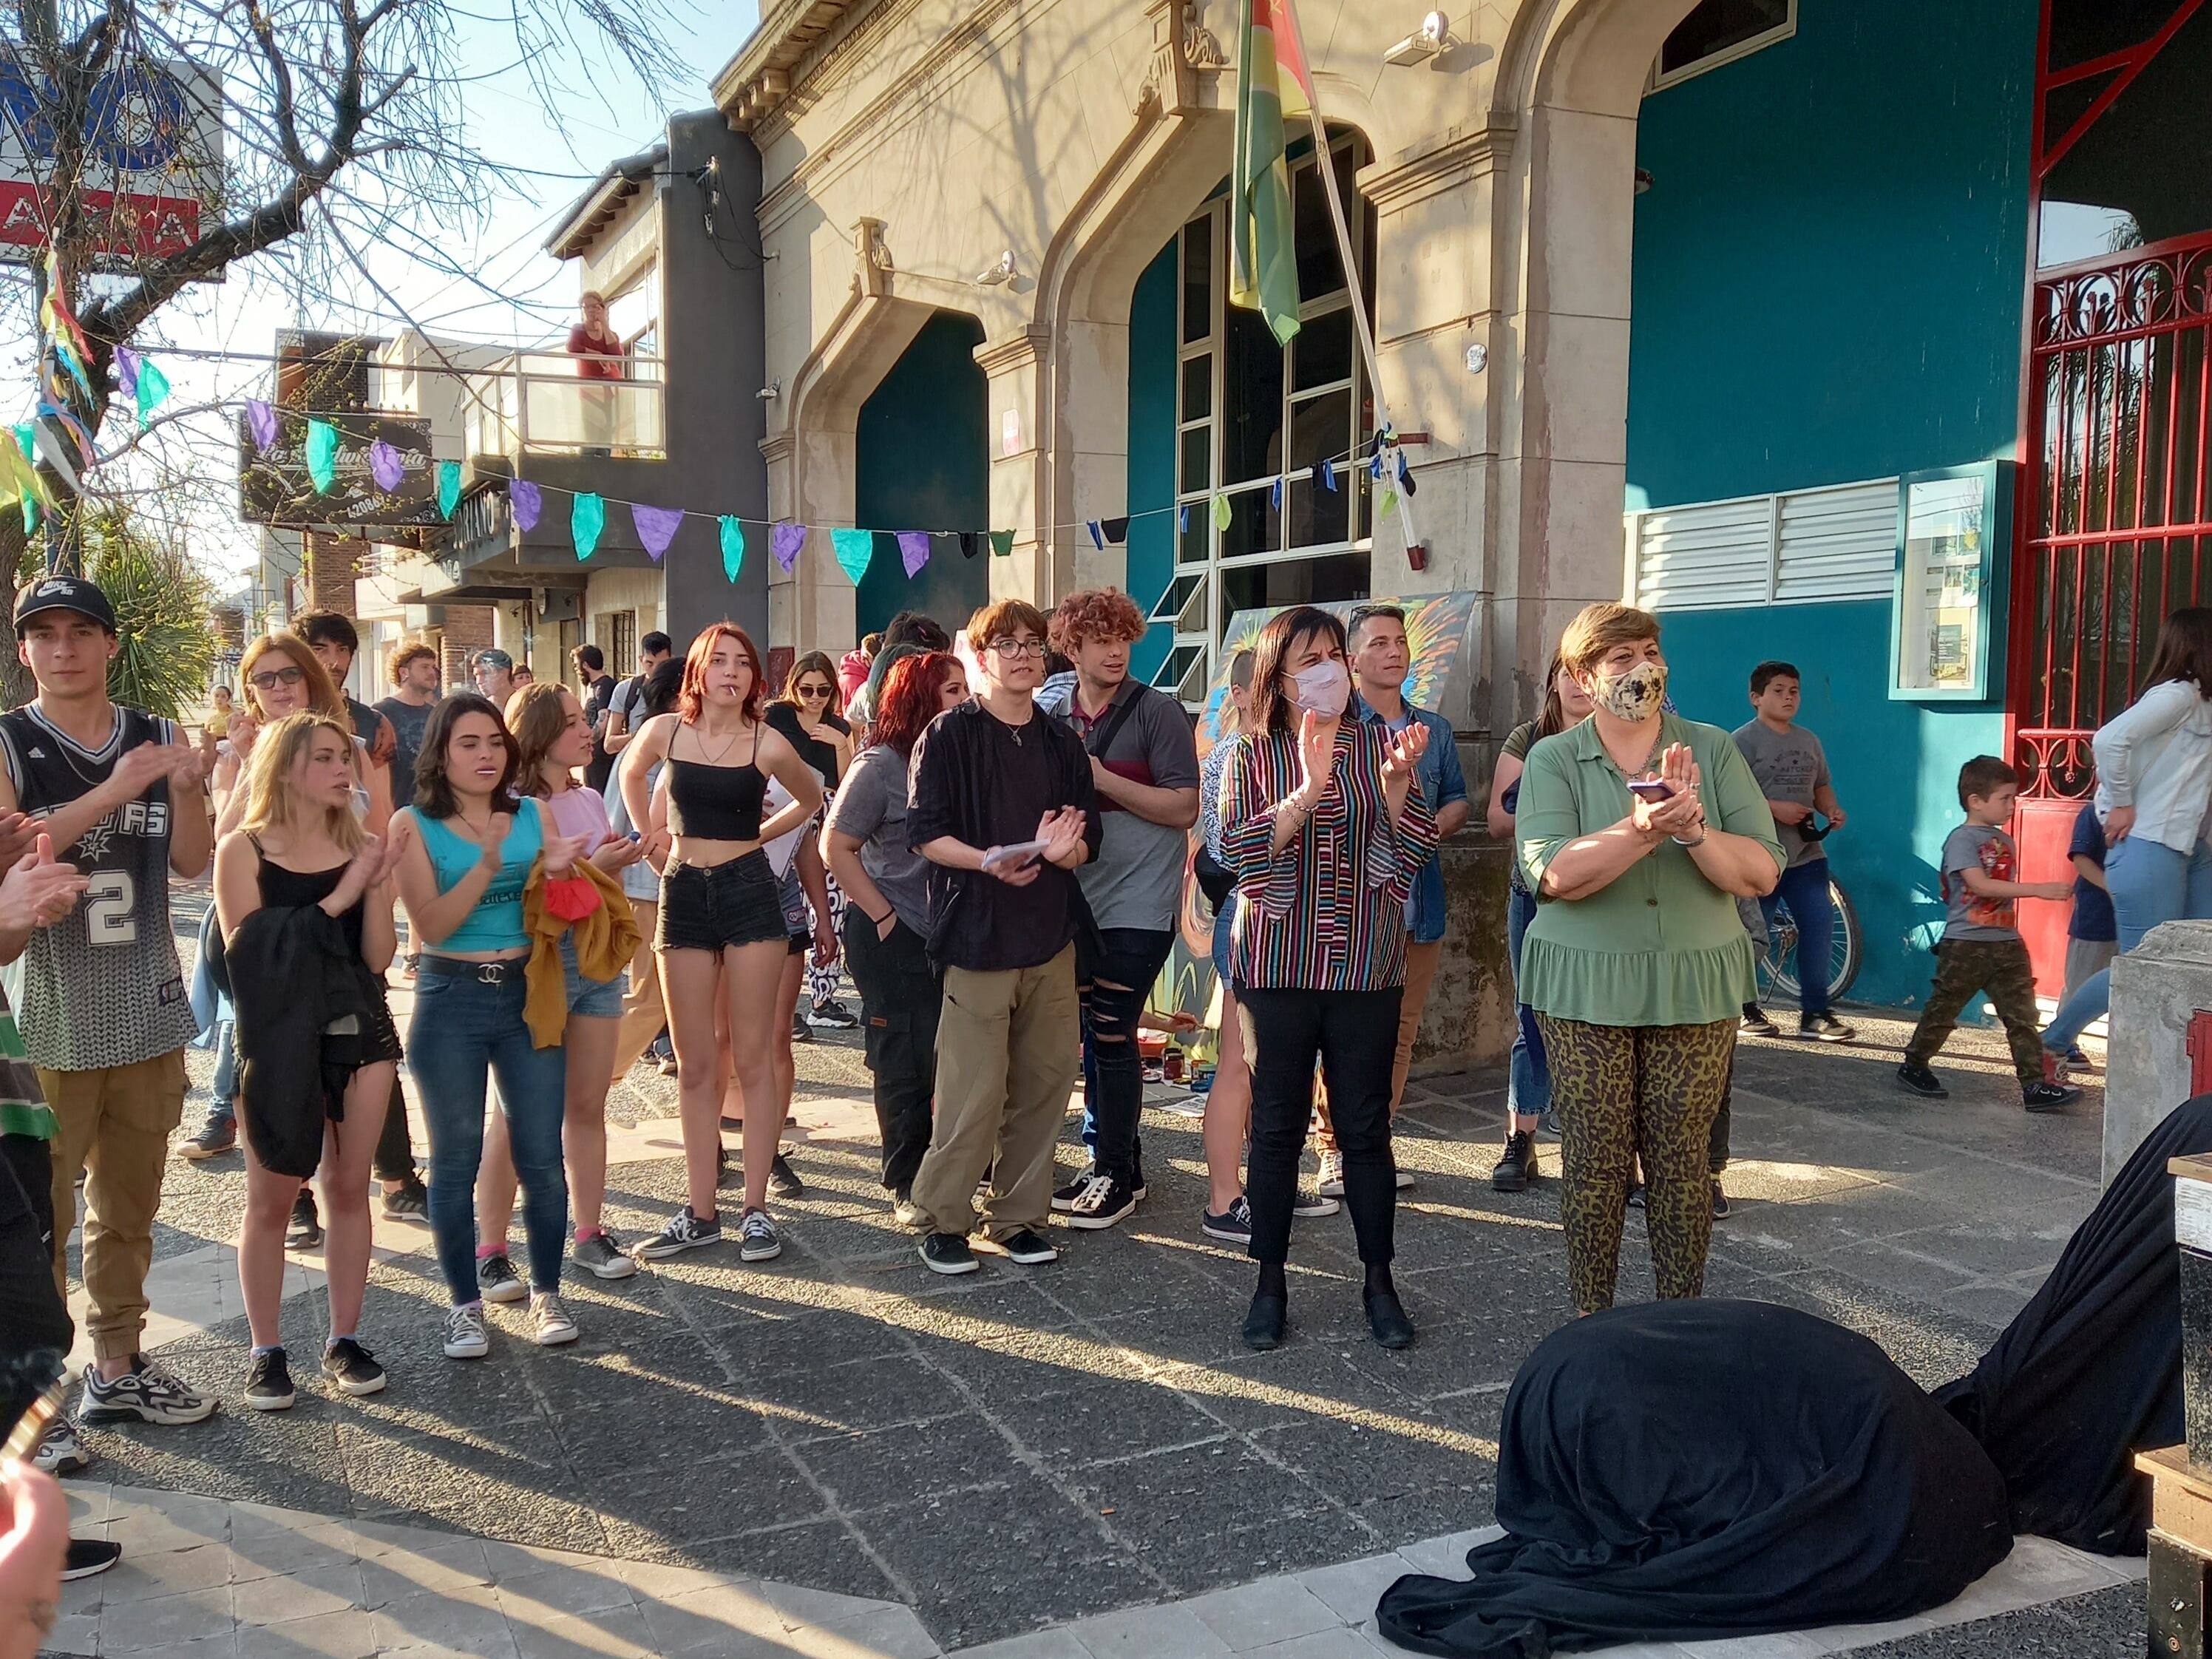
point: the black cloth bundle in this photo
(293, 973)
(2090, 1372)
(1699, 1469)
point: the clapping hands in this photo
(37, 892)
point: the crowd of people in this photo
(991, 835)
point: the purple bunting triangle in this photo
(788, 539)
(914, 550)
(528, 501)
(656, 525)
(386, 466)
(261, 421)
(126, 370)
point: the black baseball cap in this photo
(494, 658)
(63, 593)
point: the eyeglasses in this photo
(1018, 647)
(813, 690)
(275, 677)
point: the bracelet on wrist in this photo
(1703, 832)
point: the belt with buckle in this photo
(484, 973)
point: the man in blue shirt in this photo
(1380, 658)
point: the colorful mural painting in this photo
(1436, 629)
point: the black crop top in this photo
(716, 803)
(294, 890)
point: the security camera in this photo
(1002, 271)
(1434, 37)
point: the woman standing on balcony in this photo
(722, 932)
(2154, 796)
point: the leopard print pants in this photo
(1626, 1093)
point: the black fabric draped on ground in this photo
(1683, 1469)
(2090, 1373)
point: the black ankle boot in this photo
(1266, 1321)
(1386, 1317)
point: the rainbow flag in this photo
(1272, 82)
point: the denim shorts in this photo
(1224, 922)
(710, 910)
(595, 999)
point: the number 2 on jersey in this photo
(110, 908)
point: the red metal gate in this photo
(2116, 517)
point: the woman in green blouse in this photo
(1637, 964)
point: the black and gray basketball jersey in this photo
(101, 986)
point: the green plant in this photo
(161, 602)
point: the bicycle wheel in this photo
(1850, 953)
(1777, 965)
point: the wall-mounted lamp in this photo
(1434, 38)
(770, 392)
(1001, 271)
(1478, 358)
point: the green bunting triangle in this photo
(585, 520)
(322, 455)
(1222, 513)
(853, 548)
(1002, 544)
(733, 547)
(153, 387)
(449, 487)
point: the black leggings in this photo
(1355, 1035)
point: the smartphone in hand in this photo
(1651, 791)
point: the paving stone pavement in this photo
(1005, 1455)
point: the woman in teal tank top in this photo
(467, 847)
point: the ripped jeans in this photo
(1115, 986)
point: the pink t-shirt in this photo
(580, 812)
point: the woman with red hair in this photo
(721, 931)
(887, 912)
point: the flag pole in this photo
(1325, 163)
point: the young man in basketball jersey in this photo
(105, 1014)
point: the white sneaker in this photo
(59, 1450)
(465, 1336)
(549, 1324)
(1332, 1175)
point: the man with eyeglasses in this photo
(120, 795)
(1002, 808)
(1144, 764)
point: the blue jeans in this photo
(463, 1029)
(1804, 889)
(1528, 1087)
(2150, 885)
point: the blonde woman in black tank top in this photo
(722, 935)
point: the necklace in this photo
(716, 760)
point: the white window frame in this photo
(1721, 60)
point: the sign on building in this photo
(154, 167)
(276, 487)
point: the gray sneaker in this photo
(466, 1336)
(549, 1324)
(600, 1256)
(497, 1281)
(757, 1239)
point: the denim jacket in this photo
(1442, 783)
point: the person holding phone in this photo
(1003, 807)
(1637, 830)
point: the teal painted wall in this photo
(923, 463)
(1829, 275)
(1152, 451)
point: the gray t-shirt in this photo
(1136, 880)
(1966, 915)
(1790, 766)
(871, 807)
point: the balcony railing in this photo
(535, 403)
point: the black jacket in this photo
(293, 973)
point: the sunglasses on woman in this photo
(813, 691)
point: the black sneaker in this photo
(146, 1393)
(1635, 1195)
(1029, 1247)
(757, 1239)
(2048, 1096)
(1755, 1023)
(411, 1202)
(783, 1180)
(1063, 1198)
(602, 1257)
(1824, 1027)
(306, 1232)
(1720, 1201)
(1232, 1225)
(1104, 1201)
(1922, 1081)
(89, 1556)
(269, 1381)
(833, 1016)
(218, 1135)
(353, 1368)
(727, 1171)
(497, 1281)
(800, 1030)
(686, 1232)
(948, 1254)
(1518, 1167)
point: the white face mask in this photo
(1323, 690)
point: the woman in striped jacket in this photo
(1324, 832)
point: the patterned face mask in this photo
(1635, 695)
